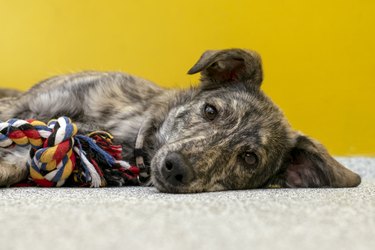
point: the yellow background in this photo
(319, 56)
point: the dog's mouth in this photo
(164, 186)
(161, 186)
(172, 173)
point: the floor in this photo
(143, 218)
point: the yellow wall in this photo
(319, 56)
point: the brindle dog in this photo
(224, 134)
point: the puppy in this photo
(223, 134)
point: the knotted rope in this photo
(59, 156)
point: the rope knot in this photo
(54, 161)
(58, 154)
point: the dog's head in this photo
(229, 135)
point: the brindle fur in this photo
(247, 120)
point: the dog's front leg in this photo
(13, 166)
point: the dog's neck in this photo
(145, 141)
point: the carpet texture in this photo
(143, 218)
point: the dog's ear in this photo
(220, 67)
(310, 165)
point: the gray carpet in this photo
(143, 218)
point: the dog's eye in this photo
(250, 158)
(210, 112)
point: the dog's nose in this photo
(176, 170)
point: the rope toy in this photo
(59, 156)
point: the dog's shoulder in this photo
(80, 94)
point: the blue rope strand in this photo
(94, 147)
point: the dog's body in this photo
(224, 134)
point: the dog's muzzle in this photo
(176, 170)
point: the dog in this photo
(224, 134)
